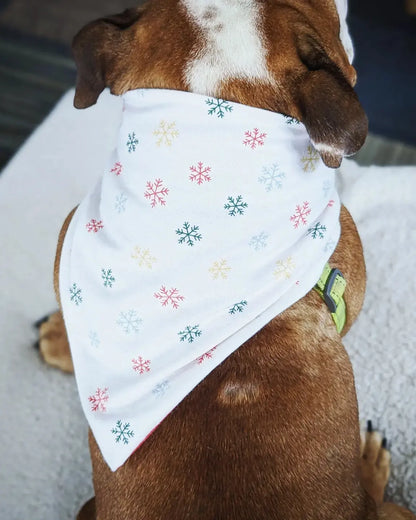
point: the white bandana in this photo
(213, 218)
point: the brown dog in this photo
(278, 435)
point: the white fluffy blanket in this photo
(45, 470)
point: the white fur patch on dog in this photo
(231, 44)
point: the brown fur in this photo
(272, 433)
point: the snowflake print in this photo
(129, 321)
(218, 107)
(75, 293)
(207, 355)
(94, 225)
(117, 169)
(188, 234)
(272, 178)
(120, 203)
(166, 133)
(259, 242)
(330, 246)
(190, 333)
(94, 339)
(122, 432)
(132, 142)
(310, 159)
(254, 138)
(331, 203)
(143, 257)
(292, 120)
(284, 269)
(156, 192)
(235, 206)
(99, 400)
(141, 365)
(169, 296)
(160, 389)
(238, 307)
(219, 269)
(317, 231)
(108, 278)
(301, 212)
(200, 173)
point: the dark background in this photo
(36, 65)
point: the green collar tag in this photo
(331, 286)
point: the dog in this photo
(272, 432)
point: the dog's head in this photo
(286, 56)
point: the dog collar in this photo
(211, 219)
(330, 287)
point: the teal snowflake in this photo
(272, 177)
(235, 206)
(218, 107)
(108, 278)
(317, 231)
(132, 142)
(122, 432)
(188, 234)
(75, 293)
(190, 333)
(292, 120)
(238, 307)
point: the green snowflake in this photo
(188, 234)
(235, 206)
(108, 278)
(218, 107)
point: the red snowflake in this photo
(117, 168)
(200, 173)
(207, 355)
(98, 400)
(170, 296)
(140, 365)
(254, 138)
(156, 192)
(94, 226)
(301, 212)
(331, 203)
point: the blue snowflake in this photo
(75, 293)
(120, 203)
(218, 107)
(188, 234)
(235, 206)
(108, 278)
(132, 142)
(330, 246)
(238, 307)
(190, 333)
(326, 187)
(160, 389)
(259, 242)
(94, 339)
(272, 178)
(317, 231)
(129, 321)
(122, 432)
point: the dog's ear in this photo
(329, 106)
(96, 49)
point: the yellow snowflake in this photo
(144, 257)
(166, 133)
(219, 269)
(284, 269)
(310, 159)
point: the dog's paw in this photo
(53, 342)
(375, 463)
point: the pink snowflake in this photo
(207, 355)
(117, 168)
(301, 212)
(254, 138)
(140, 365)
(170, 296)
(98, 400)
(156, 192)
(331, 203)
(94, 226)
(200, 173)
